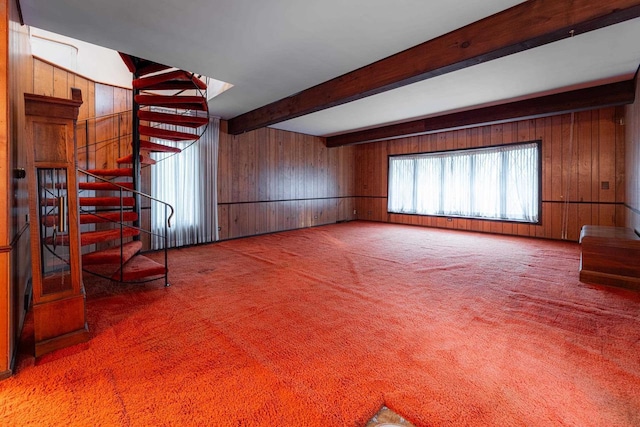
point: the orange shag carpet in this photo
(324, 326)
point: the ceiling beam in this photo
(524, 26)
(607, 95)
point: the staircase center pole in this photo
(135, 131)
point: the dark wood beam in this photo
(576, 100)
(524, 26)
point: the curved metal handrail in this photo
(123, 188)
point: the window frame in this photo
(538, 142)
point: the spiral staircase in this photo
(166, 101)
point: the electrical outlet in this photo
(449, 219)
(355, 212)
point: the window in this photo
(500, 183)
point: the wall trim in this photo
(284, 200)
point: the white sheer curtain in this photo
(493, 183)
(188, 182)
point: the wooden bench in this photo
(610, 256)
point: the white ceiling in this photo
(271, 49)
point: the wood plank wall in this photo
(15, 265)
(632, 122)
(570, 171)
(271, 180)
(99, 100)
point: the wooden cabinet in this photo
(58, 291)
(610, 256)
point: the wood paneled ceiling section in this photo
(291, 62)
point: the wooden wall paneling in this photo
(319, 212)
(291, 214)
(236, 218)
(224, 158)
(313, 212)
(620, 158)
(263, 167)
(303, 214)
(105, 154)
(323, 168)
(272, 165)
(595, 164)
(292, 170)
(123, 122)
(251, 165)
(607, 165)
(60, 83)
(85, 132)
(303, 185)
(340, 208)
(320, 168)
(384, 173)
(557, 193)
(633, 153)
(340, 171)
(83, 84)
(584, 140)
(271, 216)
(584, 214)
(223, 222)
(312, 158)
(237, 173)
(42, 78)
(542, 133)
(572, 149)
(261, 220)
(280, 166)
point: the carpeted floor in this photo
(324, 326)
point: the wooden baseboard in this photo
(62, 341)
(5, 374)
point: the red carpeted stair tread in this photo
(91, 218)
(177, 79)
(95, 201)
(186, 102)
(95, 218)
(112, 172)
(158, 148)
(107, 201)
(173, 119)
(139, 267)
(114, 255)
(144, 160)
(171, 135)
(93, 237)
(105, 186)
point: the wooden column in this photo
(58, 291)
